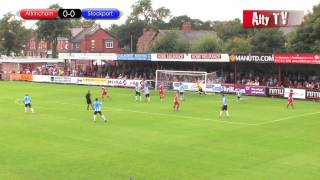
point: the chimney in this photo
(186, 27)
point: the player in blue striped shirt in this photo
(27, 103)
(224, 107)
(97, 110)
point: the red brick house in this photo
(186, 32)
(36, 48)
(85, 40)
(95, 40)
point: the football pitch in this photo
(261, 140)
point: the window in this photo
(109, 43)
(76, 45)
(93, 44)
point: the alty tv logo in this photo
(271, 18)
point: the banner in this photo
(41, 78)
(312, 94)
(134, 57)
(233, 88)
(26, 77)
(64, 79)
(297, 58)
(215, 88)
(259, 58)
(276, 91)
(92, 81)
(187, 86)
(244, 89)
(193, 57)
(20, 77)
(297, 93)
(122, 82)
(88, 56)
(255, 90)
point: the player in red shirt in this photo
(290, 99)
(104, 93)
(176, 102)
(161, 92)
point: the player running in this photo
(224, 107)
(97, 110)
(27, 103)
(146, 92)
(161, 92)
(88, 98)
(181, 91)
(290, 99)
(176, 102)
(138, 91)
(104, 94)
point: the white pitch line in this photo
(150, 113)
(285, 118)
(191, 117)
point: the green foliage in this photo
(306, 39)
(124, 32)
(78, 23)
(13, 35)
(208, 44)
(50, 30)
(237, 45)
(268, 40)
(229, 29)
(177, 21)
(169, 42)
(142, 10)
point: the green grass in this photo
(261, 140)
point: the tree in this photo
(177, 21)
(142, 10)
(268, 40)
(229, 29)
(128, 32)
(50, 30)
(169, 42)
(208, 44)
(13, 35)
(237, 45)
(82, 23)
(306, 38)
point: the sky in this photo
(213, 10)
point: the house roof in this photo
(87, 31)
(74, 32)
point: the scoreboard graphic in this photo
(89, 13)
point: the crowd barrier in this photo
(86, 81)
(210, 88)
(249, 90)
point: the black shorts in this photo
(147, 95)
(224, 108)
(89, 102)
(181, 93)
(97, 112)
(138, 93)
(28, 105)
(200, 90)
